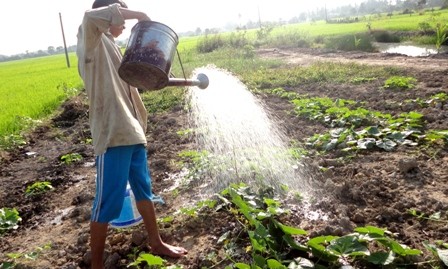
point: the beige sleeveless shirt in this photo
(117, 114)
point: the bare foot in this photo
(168, 250)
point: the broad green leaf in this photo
(271, 202)
(396, 136)
(412, 251)
(151, 259)
(393, 245)
(336, 132)
(331, 145)
(9, 219)
(370, 230)
(443, 255)
(362, 132)
(301, 263)
(293, 244)
(242, 205)
(259, 260)
(382, 258)
(415, 115)
(274, 264)
(373, 130)
(318, 247)
(242, 266)
(290, 230)
(386, 144)
(276, 210)
(400, 249)
(257, 243)
(366, 143)
(7, 265)
(263, 215)
(348, 246)
(409, 143)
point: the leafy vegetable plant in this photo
(71, 158)
(400, 83)
(276, 245)
(9, 219)
(38, 188)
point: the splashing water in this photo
(242, 142)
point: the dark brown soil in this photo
(374, 188)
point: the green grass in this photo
(34, 88)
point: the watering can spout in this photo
(201, 81)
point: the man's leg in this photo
(98, 232)
(158, 247)
(112, 173)
(140, 182)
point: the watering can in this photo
(129, 215)
(147, 60)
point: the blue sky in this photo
(37, 26)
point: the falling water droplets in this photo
(242, 141)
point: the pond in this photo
(409, 49)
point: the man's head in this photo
(105, 3)
(114, 29)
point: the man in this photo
(118, 121)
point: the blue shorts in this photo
(114, 169)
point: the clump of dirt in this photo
(373, 188)
(71, 112)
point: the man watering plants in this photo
(118, 124)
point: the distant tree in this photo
(294, 19)
(51, 50)
(421, 4)
(198, 31)
(409, 4)
(445, 4)
(303, 16)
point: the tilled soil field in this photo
(375, 188)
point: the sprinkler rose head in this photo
(203, 81)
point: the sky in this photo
(35, 25)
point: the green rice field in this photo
(34, 88)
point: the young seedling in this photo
(71, 158)
(15, 257)
(38, 188)
(422, 216)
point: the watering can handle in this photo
(181, 65)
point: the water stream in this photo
(242, 141)
(410, 49)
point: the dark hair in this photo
(105, 3)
